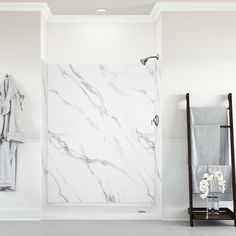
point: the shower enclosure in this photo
(102, 146)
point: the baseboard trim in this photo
(20, 214)
(99, 216)
(168, 214)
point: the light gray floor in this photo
(114, 228)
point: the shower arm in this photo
(144, 60)
(157, 57)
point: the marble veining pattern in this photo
(101, 145)
(44, 118)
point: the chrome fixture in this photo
(144, 60)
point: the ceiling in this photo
(114, 7)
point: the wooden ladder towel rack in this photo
(198, 213)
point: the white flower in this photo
(204, 184)
(205, 176)
(210, 177)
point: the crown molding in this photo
(108, 19)
(155, 12)
(26, 7)
(158, 8)
(196, 6)
(44, 9)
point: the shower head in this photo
(144, 60)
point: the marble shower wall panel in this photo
(101, 141)
(44, 117)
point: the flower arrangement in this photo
(207, 179)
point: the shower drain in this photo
(141, 211)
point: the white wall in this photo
(158, 35)
(20, 57)
(99, 43)
(199, 57)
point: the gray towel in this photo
(209, 116)
(209, 145)
(199, 171)
(205, 144)
(209, 119)
(226, 171)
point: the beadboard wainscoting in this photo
(174, 179)
(25, 202)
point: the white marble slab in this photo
(44, 119)
(101, 141)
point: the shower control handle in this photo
(155, 120)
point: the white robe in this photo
(11, 133)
